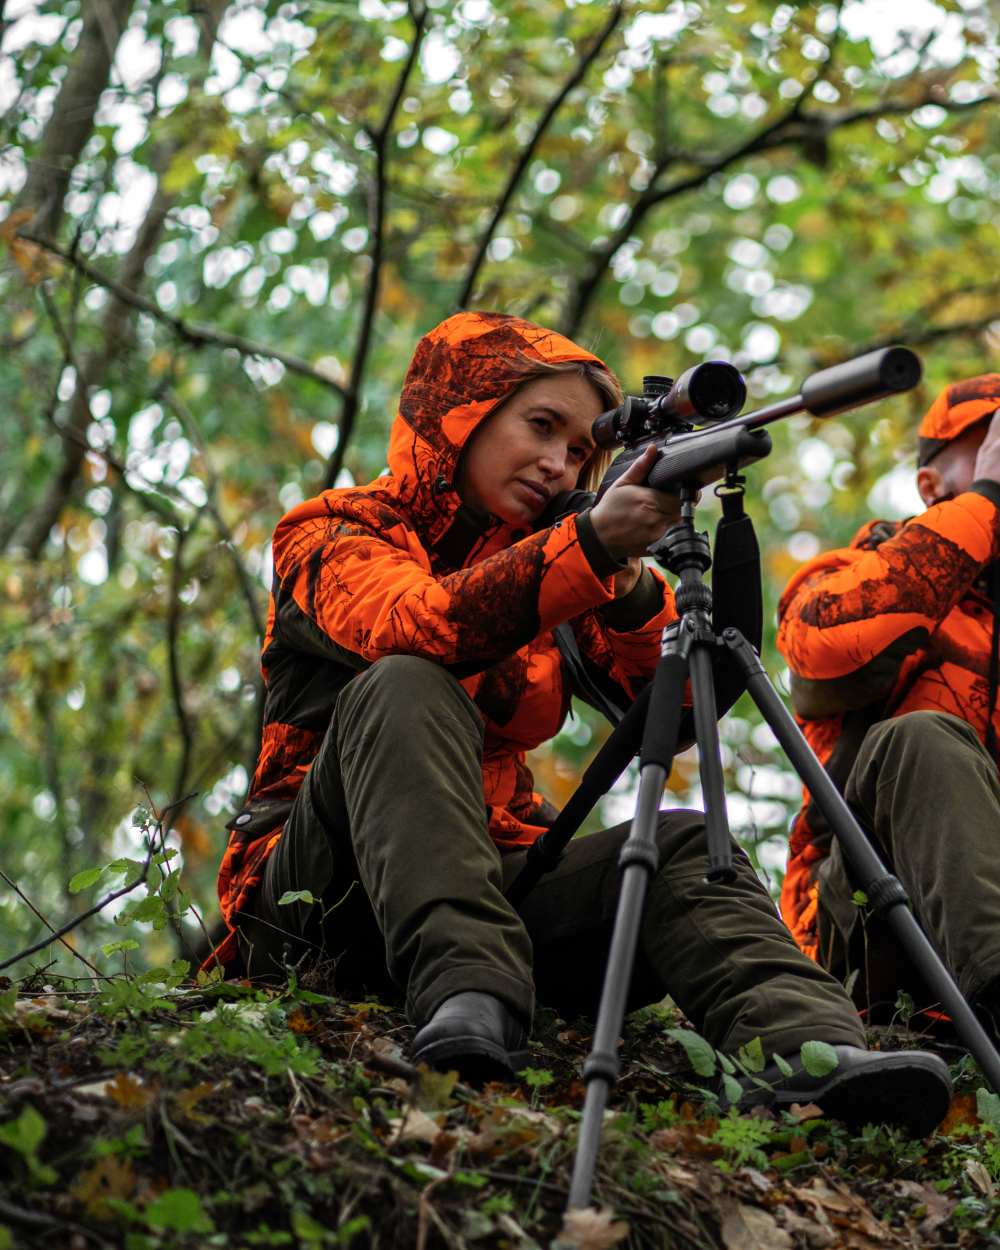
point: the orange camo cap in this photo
(959, 406)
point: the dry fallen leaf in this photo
(817, 1234)
(845, 1211)
(808, 1111)
(416, 1125)
(433, 1089)
(108, 1178)
(962, 1110)
(937, 1205)
(187, 1101)
(980, 1177)
(751, 1228)
(591, 1229)
(129, 1091)
(125, 1088)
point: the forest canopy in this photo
(224, 226)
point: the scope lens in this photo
(717, 390)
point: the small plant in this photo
(742, 1137)
(24, 1136)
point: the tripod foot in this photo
(907, 1088)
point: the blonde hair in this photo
(601, 379)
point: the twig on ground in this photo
(99, 906)
(24, 898)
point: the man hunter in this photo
(893, 645)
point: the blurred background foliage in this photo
(223, 228)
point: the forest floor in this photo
(157, 1113)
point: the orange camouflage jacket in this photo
(898, 622)
(400, 566)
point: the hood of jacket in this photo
(460, 372)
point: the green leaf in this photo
(537, 1078)
(85, 879)
(297, 896)
(26, 1133)
(476, 1179)
(818, 1058)
(701, 1055)
(125, 944)
(180, 1210)
(150, 909)
(131, 869)
(988, 1108)
(733, 1089)
(782, 1064)
(752, 1055)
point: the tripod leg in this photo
(639, 860)
(885, 892)
(713, 786)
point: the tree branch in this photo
(934, 334)
(794, 126)
(530, 148)
(189, 332)
(174, 666)
(376, 232)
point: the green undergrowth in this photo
(157, 1112)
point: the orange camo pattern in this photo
(357, 577)
(961, 405)
(846, 608)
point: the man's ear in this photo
(930, 485)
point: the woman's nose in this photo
(553, 462)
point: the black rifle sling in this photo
(736, 593)
(583, 683)
(737, 601)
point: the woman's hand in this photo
(631, 516)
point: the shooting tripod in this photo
(687, 649)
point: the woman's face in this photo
(531, 448)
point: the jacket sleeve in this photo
(343, 586)
(623, 637)
(849, 619)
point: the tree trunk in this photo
(72, 119)
(93, 370)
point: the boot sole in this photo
(476, 1059)
(909, 1093)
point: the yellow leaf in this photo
(128, 1092)
(34, 262)
(187, 1101)
(108, 1178)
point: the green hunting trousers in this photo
(390, 831)
(928, 791)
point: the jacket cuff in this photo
(600, 559)
(989, 489)
(633, 610)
